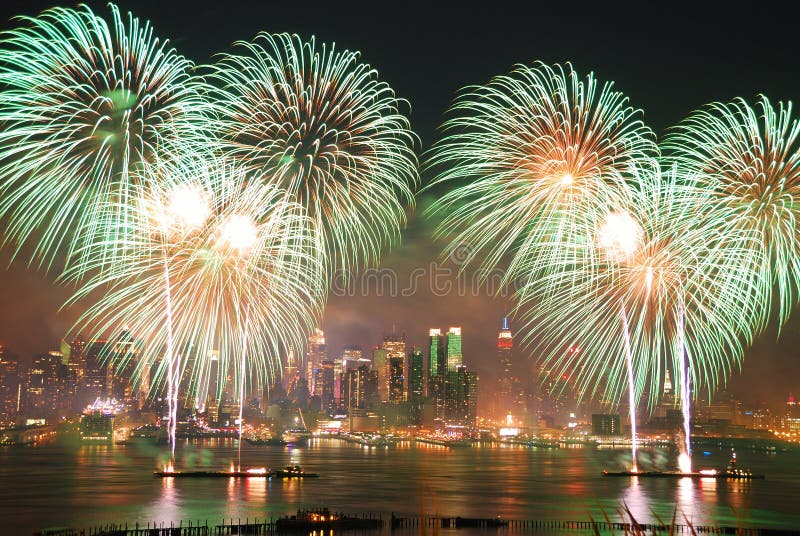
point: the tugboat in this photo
(293, 471)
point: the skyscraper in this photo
(380, 364)
(328, 385)
(359, 389)
(437, 372)
(396, 380)
(416, 384)
(437, 360)
(454, 357)
(96, 377)
(505, 345)
(353, 357)
(395, 347)
(10, 388)
(461, 396)
(317, 353)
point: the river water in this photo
(60, 485)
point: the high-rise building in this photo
(359, 389)
(353, 357)
(454, 357)
(42, 385)
(122, 367)
(317, 353)
(437, 365)
(416, 384)
(397, 393)
(291, 368)
(96, 377)
(380, 364)
(606, 424)
(461, 395)
(327, 386)
(505, 345)
(10, 389)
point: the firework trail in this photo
(534, 156)
(84, 101)
(749, 157)
(320, 124)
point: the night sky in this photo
(668, 59)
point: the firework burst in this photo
(660, 288)
(749, 157)
(321, 125)
(220, 265)
(84, 101)
(538, 153)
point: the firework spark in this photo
(322, 126)
(83, 102)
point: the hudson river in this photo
(82, 486)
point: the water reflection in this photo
(82, 487)
(168, 504)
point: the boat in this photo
(308, 521)
(731, 472)
(253, 472)
(271, 441)
(293, 471)
(290, 471)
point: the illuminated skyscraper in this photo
(461, 389)
(10, 388)
(437, 365)
(317, 353)
(416, 384)
(395, 347)
(381, 367)
(505, 345)
(396, 380)
(42, 385)
(290, 368)
(454, 357)
(96, 377)
(353, 357)
(326, 393)
(359, 389)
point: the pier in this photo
(370, 522)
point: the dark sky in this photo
(668, 58)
